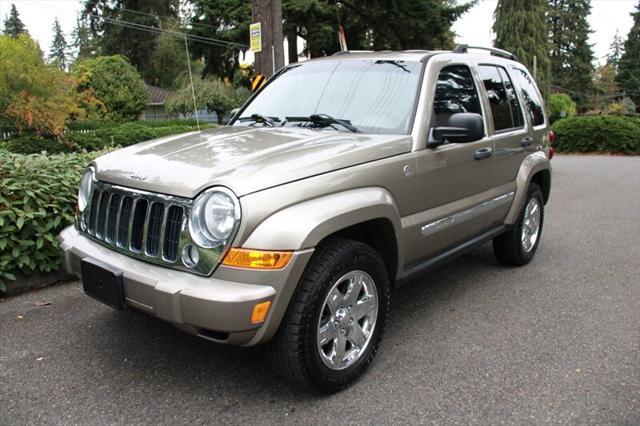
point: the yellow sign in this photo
(255, 33)
(257, 82)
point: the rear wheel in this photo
(334, 322)
(518, 245)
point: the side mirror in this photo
(462, 127)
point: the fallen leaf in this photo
(40, 358)
(20, 317)
(42, 304)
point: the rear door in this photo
(511, 133)
(532, 100)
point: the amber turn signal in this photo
(257, 259)
(260, 312)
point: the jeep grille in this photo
(147, 226)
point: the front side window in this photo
(455, 92)
(374, 96)
(505, 107)
(531, 96)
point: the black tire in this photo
(293, 351)
(508, 247)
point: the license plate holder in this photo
(102, 282)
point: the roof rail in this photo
(463, 48)
(346, 52)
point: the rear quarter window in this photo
(531, 96)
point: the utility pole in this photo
(269, 14)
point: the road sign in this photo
(255, 35)
(257, 82)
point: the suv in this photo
(337, 181)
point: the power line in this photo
(193, 37)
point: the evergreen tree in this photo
(571, 54)
(521, 28)
(59, 47)
(13, 26)
(112, 24)
(83, 41)
(629, 68)
(226, 20)
(615, 51)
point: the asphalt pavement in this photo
(557, 341)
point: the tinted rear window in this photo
(530, 95)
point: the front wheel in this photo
(518, 245)
(335, 320)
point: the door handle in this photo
(483, 153)
(525, 142)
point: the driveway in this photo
(557, 341)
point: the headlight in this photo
(84, 192)
(214, 217)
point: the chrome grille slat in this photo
(152, 238)
(143, 225)
(124, 224)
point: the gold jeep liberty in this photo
(340, 179)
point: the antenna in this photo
(193, 91)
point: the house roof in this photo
(157, 95)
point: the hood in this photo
(243, 159)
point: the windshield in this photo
(374, 96)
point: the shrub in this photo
(601, 134)
(37, 200)
(624, 107)
(109, 135)
(114, 83)
(559, 103)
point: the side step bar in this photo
(432, 263)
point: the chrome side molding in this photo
(449, 221)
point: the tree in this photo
(13, 26)
(373, 24)
(115, 83)
(83, 42)
(521, 28)
(212, 95)
(571, 54)
(33, 95)
(629, 68)
(59, 47)
(615, 51)
(224, 20)
(168, 60)
(605, 87)
(122, 27)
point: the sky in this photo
(474, 28)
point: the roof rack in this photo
(346, 52)
(464, 48)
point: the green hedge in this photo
(96, 125)
(37, 200)
(598, 134)
(106, 136)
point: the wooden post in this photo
(269, 14)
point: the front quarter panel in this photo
(304, 225)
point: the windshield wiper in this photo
(259, 118)
(324, 120)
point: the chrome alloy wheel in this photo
(347, 320)
(531, 225)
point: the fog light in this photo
(260, 312)
(190, 256)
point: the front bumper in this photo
(217, 308)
